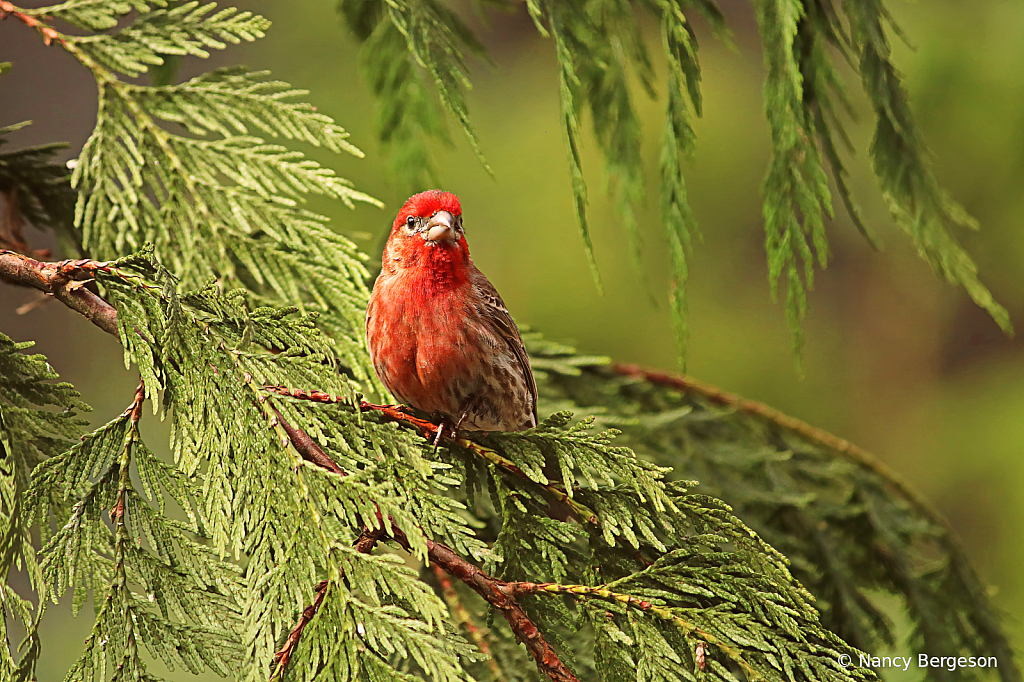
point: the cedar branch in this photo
(363, 544)
(854, 453)
(63, 280)
(429, 430)
(445, 557)
(860, 456)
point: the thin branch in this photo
(363, 544)
(523, 589)
(284, 654)
(445, 557)
(428, 430)
(64, 280)
(134, 412)
(465, 618)
(49, 34)
(688, 384)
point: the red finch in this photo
(439, 335)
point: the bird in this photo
(439, 336)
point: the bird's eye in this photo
(410, 221)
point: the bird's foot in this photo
(445, 428)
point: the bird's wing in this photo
(494, 310)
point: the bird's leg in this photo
(471, 404)
(455, 429)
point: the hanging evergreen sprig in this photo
(600, 48)
(678, 139)
(918, 204)
(795, 190)
(414, 50)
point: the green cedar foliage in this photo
(600, 45)
(218, 203)
(167, 586)
(31, 431)
(850, 529)
(205, 561)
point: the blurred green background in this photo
(896, 361)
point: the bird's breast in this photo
(417, 336)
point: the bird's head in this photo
(428, 226)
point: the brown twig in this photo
(364, 544)
(428, 430)
(284, 654)
(134, 412)
(64, 281)
(464, 617)
(49, 33)
(490, 589)
(309, 449)
(445, 557)
(688, 384)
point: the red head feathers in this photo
(427, 237)
(426, 204)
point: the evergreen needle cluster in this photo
(30, 433)
(286, 534)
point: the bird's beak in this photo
(441, 227)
